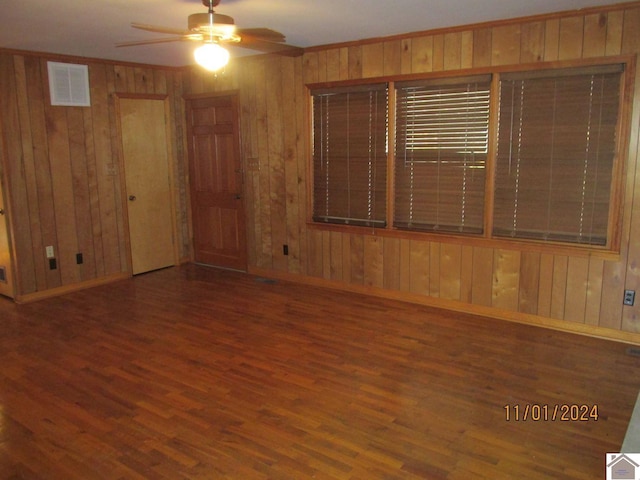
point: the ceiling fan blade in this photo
(158, 29)
(262, 34)
(152, 41)
(254, 43)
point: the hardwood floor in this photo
(197, 373)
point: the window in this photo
(350, 155)
(556, 151)
(442, 135)
(527, 155)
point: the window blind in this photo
(440, 154)
(556, 148)
(350, 155)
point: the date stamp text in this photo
(560, 412)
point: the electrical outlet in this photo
(629, 297)
(49, 251)
(53, 264)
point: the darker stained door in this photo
(215, 171)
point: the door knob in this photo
(132, 198)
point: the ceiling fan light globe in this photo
(211, 56)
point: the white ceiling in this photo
(90, 28)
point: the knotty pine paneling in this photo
(25, 200)
(531, 42)
(391, 254)
(62, 168)
(275, 122)
(529, 282)
(419, 267)
(559, 288)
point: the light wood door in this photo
(215, 170)
(145, 150)
(6, 278)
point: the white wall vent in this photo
(69, 84)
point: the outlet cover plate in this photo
(629, 297)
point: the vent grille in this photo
(69, 84)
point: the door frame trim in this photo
(171, 159)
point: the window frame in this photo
(617, 214)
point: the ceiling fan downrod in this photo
(211, 20)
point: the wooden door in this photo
(6, 278)
(150, 211)
(215, 170)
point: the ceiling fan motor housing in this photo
(200, 20)
(223, 28)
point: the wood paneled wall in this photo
(62, 169)
(582, 293)
(60, 165)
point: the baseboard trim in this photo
(457, 306)
(74, 287)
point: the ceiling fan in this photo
(213, 30)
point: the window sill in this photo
(525, 245)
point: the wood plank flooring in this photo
(197, 373)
